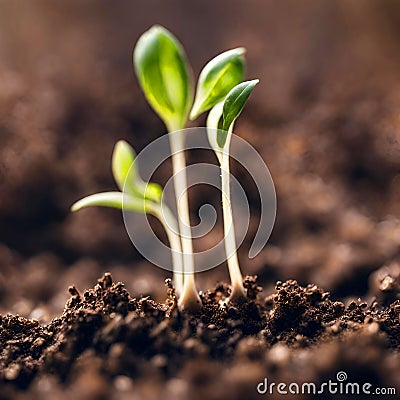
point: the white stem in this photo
(170, 225)
(238, 291)
(189, 299)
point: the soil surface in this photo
(108, 345)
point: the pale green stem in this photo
(238, 291)
(189, 299)
(170, 225)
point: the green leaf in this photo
(233, 106)
(214, 121)
(217, 78)
(126, 174)
(111, 199)
(163, 73)
(122, 162)
(221, 137)
(152, 191)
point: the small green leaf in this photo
(163, 73)
(111, 199)
(126, 174)
(122, 161)
(233, 106)
(217, 78)
(153, 191)
(214, 121)
(221, 137)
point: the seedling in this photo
(165, 77)
(220, 122)
(139, 196)
(164, 74)
(219, 89)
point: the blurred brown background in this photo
(325, 118)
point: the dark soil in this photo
(107, 344)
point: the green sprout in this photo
(220, 122)
(139, 196)
(165, 77)
(163, 73)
